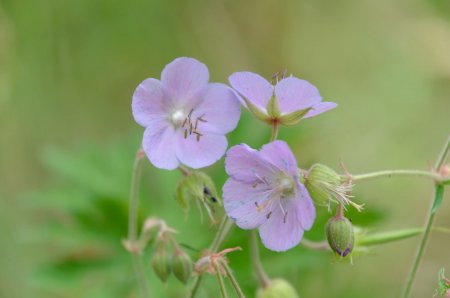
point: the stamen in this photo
(185, 134)
(269, 214)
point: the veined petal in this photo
(279, 154)
(253, 87)
(159, 145)
(246, 165)
(185, 78)
(303, 206)
(198, 152)
(241, 201)
(219, 108)
(149, 102)
(281, 231)
(320, 108)
(294, 94)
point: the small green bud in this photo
(161, 264)
(278, 288)
(196, 186)
(340, 235)
(182, 266)
(321, 183)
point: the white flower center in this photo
(285, 186)
(177, 117)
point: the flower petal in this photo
(253, 87)
(220, 108)
(281, 231)
(320, 108)
(246, 165)
(279, 154)
(185, 78)
(304, 207)
(159, 145)
(241, 201)
(199, 152)
(294, 94)
(149, 102)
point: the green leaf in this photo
(439, 195)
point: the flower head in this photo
(185, 117)
(289, 101)
(264, 192)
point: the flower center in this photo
(177, 118)
(285, 186)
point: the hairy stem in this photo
(233, 280)
(222, 232)
(390, 173)
(438, 195)
(263, 278)
(223, 290)
(132, 226)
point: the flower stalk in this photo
(437, 199)
(263, 278)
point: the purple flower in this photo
(185, 117)
(264, 192)
(292, 96)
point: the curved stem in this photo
(438, 196)
(322, 245)
(233, 280)
(132, 241)
(263, 278)
(389, 173)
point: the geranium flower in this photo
(185, 117)
(289, 101)
(264, 192)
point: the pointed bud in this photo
(182, 266)
(278, 288)
(161, 264)
(340, 235)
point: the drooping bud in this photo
(182, 266)
(326, 186)
(199, 188)
(161, 263)
(340, 235)
(278, 288)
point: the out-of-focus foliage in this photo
(67, 138)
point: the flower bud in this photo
(320, 183)
(196, 186)
(182, 266)
(278, 288)
(340, 235)
(161, 264)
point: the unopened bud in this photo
(278, 288)
(161, 264)
(340, 235)
(182, 266)
(321, 182)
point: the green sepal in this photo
(273, 109)
(293, 118)
(257, 112)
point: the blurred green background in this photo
(67, 137)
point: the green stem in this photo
(438, 195)
(132, 226)
(389, 173)
(275, 128)
(223, 290)
(263, 278)
(233, 280)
